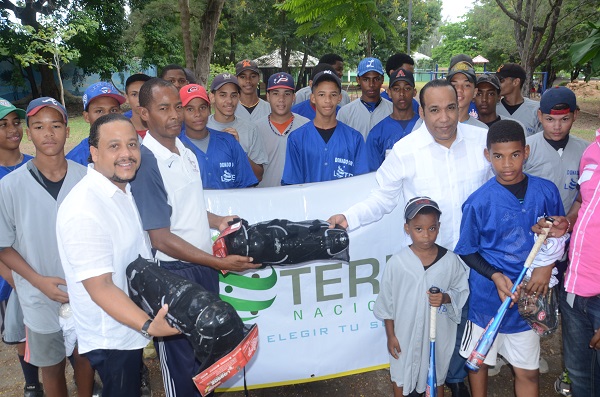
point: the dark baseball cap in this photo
(557, 96)
(221, 79)
(320, 67)
(402, 75)
(38, 104)
(281, 80)
(246, 64)
(462, 63)
(511, 70)
(326, 75)
(490, 79)
(416, 204)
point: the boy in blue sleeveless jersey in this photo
(495, 239)
(324, 149)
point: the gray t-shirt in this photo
(275, 146)
(250, 140)
(476, 123)
(28, 224)
(262, 109)
(356, 115)
(526, 114)
(562, 168)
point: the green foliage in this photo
(587, 51)
(455, 40)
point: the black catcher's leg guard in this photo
(280, 242)
(212, 326)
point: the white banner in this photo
(316, 319)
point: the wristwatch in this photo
(144, 330)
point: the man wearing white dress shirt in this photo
(442, 159)
(99, 233)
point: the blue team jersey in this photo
(383, 136)
(128, 114)
(310, 159)
(497, 226)
(5, 287)
(80, 153)
(225, 164)
(305, 109)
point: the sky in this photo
(454, 9)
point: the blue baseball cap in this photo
(326, 75)
(38, 104)
(370, 65)
(101, 89)
(281, 80)
(557, 96)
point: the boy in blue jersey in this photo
(223, 162)
(395, 62)
(12, 327)
(495, 239)
(306, 108)
(397, 125)
(98, 99)
(324, 149)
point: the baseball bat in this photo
(431, 390)
(490, 332)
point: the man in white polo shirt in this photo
(168, 193)
(99, 234)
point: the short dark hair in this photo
(134, 78)
(425, 211)
(331, 59)
(504, 131)
(433, 84)
(172, 66)
(95, 128)
(397, 60)
(146, 90)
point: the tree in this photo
(587, 51)
(48, 44)
(454, 40)
(535, 25)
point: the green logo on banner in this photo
(237, 285)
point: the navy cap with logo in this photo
(558, 96)
(39, 103)
(221, 79)
(326, 75)
(511, 70)
(402, 75)
(416, 204)
(281, 80)
(490, 79)
(246, 64)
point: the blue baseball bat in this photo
(431, 390)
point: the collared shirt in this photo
(248, 136)
(357, 116)
(422, 167)
(303, 94)
(583, 272)
(168, 193)
(262, 109)
(99, 231)
(28, 224)
(526, 114)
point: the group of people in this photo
(474, 164)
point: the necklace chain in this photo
(287, 130)
(251, 106)
(11, 168)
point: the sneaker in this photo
(543, 366)
(562, 385)
(145, 390)
(33, 390)
(495, 370)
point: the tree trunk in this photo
(48, 86)
(209, 22)
(368, 49)
(184, 10)
(35, 92)
(302, 68)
